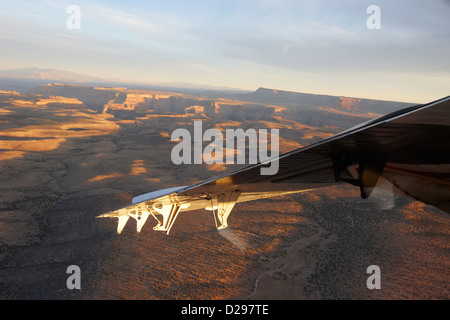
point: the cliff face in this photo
(261, 105)
(43, 123)
(92, 97)
(307, 100)
(349, 103)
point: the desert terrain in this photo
(69, 153)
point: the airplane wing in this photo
(410, 148)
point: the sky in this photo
(401, 52)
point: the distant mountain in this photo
(22, 80)
(40, 76)
(280, 96)
(48, 74)
(306, 100)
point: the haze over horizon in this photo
(320, 47)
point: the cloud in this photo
(338, 40)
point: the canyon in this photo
(71, 152)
